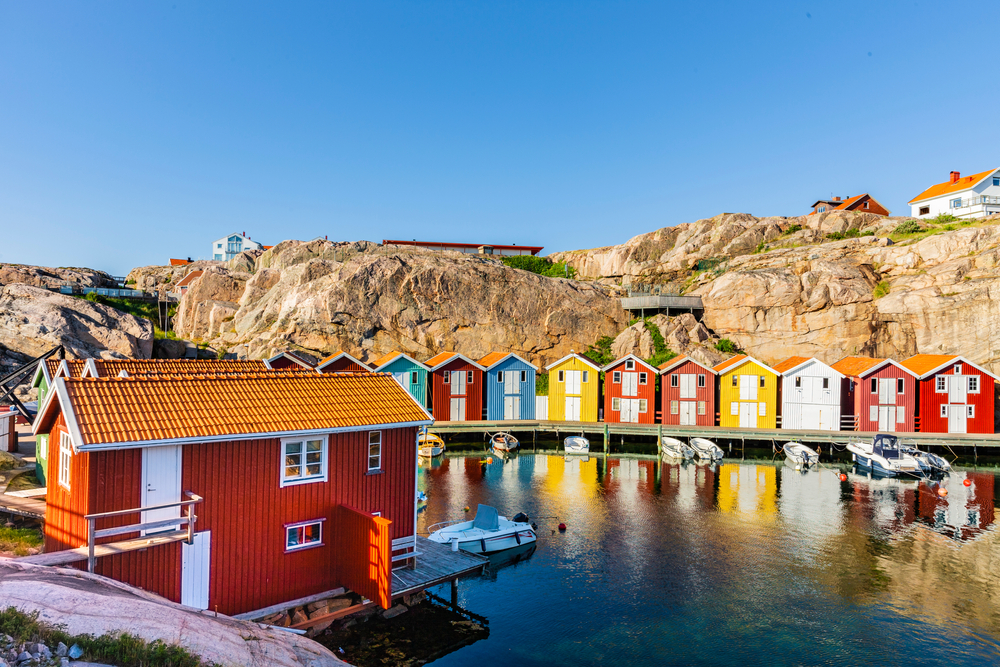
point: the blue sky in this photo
(131, 132)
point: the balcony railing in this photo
(977, 201)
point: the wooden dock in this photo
(436, 564)
(31, 508)
(67, 556)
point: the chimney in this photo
(244, 233)
(955, 176)
(836, 199)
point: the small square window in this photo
(970, 411)
(924, 210)
(643, 378)
(630, 365)
(468, 377)
(826, 383)
(674, 380)
(866, 204)
(500, 377)
(761, 381)
(524, 376)
(798, 382)
(900, 386)
(973, 384)
(616, 404)
(616, 377)
(302, 535)
(874, 385)
(701, 379)
(374, 450)
(958, 369)
(944, 410)
(941, 384)
(674, 408)
(561, 376)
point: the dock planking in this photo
(436, 564)
(31, 508)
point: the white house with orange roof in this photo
(975, 196)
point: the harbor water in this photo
(740, 563)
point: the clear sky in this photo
(131, 132)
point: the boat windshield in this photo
(487, 518)
(886, 446)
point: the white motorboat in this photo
(800, 455)
(430, 445)
(503, 442)
(884, 457)
(930, 464)
(675, 449)
(486, 533)
(706, 450)
(576, 444)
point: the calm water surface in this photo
(740, 564)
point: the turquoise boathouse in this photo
(409, 373)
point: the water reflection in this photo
(668, 562)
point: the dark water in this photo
(743, 564)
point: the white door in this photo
(195, 559)
(401, 379)
(630, 384)
(809, 419)
(630, 410)
(748, 412)
(748, 388)
(161, 484)
(957, 415)
(887, 391)
(512, 407)
(512, 382)
(957, 386)
(825, 418)
(458, 383)
(573, 382)
(458, 409)
(886, 418)
(573, 406)
(689, 412)
(688, 385)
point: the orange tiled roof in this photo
(492, 358)
(921, 364)
(331, 357)
(112, 367)
(673, 362)
(378, 363)
(189, 278)
(156, 408)
(439, 359)
(75, 366)
(729, 363)
(855, 366)
(179, 262)
(947, 187)
(790, 362)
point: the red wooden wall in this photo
(645, 391)
(864, 399)
(706, 393)
(342, 365)
(65, 527)
(931, 420)
(441, 392)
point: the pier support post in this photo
(454, 592)
(659, 437)
(607, 438)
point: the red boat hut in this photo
(300, 483)
(956, 396)
(341, 362)
(289, 359)
(880, 393)
(629, 391)
(456, 387)
(687, 391)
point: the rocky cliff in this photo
(320, 296)
(787, 286)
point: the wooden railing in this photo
(93, 534)
(405, 549)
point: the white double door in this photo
(688, 411)
(573, 382)
(511, 407)
(818, 417)
(748, 413)
(957, 418)
(887, 416)
(748, 389)
(457, 406)
(689, 386)
(572, 407)
(629, 413)
(630, 384)
(457, 409)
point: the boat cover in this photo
(887, 446)
(487, 518)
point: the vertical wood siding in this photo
(589, 391)
(343, 365)
(65, 527)
(613, 390)
(792, 415)
(417, 390)
(728, 394)
(931, 401)
(496, 391)
(441, 392)
(706, 393)
(366, 566)
(864, 399)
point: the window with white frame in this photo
(304, 460)
(821, 209)
(642, 405)
(701, 379)
(374, 450)
(468, 377)
(675, 380)
(944, 410)
(956, 203)
(674, 408)
(958, 369)
(900, 385)
(616, 404)
(616, 377)
(65, 459)
(941, 384)
(973, 384)
(643, 378)
(447, 377)
(304, 535)
(630, 365)
(970, 411)
(701, 407)
(413, 377)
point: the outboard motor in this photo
(520, 517)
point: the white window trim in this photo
(901, 386)
(369, 452)
(65, 460)
(643, 405)
(309, 545)
(940, 384)
(561, 376)
(616, 404)
(616, 377)
(524, 376)
(970, 411)
(469, 376)
(944, 409)
(974, 378)
(675, 380)
(675, 407)
(324, 461)
(643, 378)
(702, 409)
(701, 380)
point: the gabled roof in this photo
(948, 187)
(291, 356)
(338, 355)
(439, 360)
(855, 366)
(189, 278)
(381, 363)
(180, 262)
(739, 360)
(618, 362)
(582, 357)
(792, 364)
(682, 359)
(494, 358)
(105, 368)
(112, 413)
(925, 365)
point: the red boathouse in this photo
(341, 362)
(629, 391)
(687, 390)
(880, 394)
(456, 388)
(956, 396)
(305, 481)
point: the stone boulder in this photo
(44, 276)
(683, 334)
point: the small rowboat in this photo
(430, 445)
(576, 444)
(800, 455)
(706, 450)
(503, 442)
(675, 449)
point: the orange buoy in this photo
(466, 509)
(843, 477)
(942, 491)
(967, 482)
(562, 526)
(489, 460)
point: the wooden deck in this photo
(32, 508)
(76, 555)
(436, 564)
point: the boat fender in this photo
(517, 537)
(967, 482)
(520, 517)
(843, 477)
(943, 492)
(482, 543)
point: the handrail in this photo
(93, 534)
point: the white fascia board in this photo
(618, 362)
(455, 356)
(41, 371)
(89, 369)
(683, 359)
(889, 361)
(401, 355)
(508, 356)
(59, 390)
(747, 359)
(811, 360)
(573, 355)
(952, 362)
(340, 356)
(952, 194)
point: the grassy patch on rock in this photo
(881, 289)
(543, 266)
(147, 310)
(20, 541)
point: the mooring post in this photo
(659, 437)
(607, 438)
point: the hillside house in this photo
(863, 203)
(629, 391)
(748, 393)
(316, 475)
(471, 248)
(687, 392)
(227, 247)
(184, 283)
(811, 394)
(341, 362)
(975, 196)
(510, 386)
(456, 387)
(407, 371)
(574, 390)
(954, 395)
(880, 394)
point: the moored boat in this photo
(486, 533)
(503, 442)
(706, 450)
(576, 444)
(930, 464)
(800, 455)
(884, 457)
(675, 449)
(430, 445)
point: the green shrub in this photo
(543, 266)
(908, 227)
(600, 352)
(542, 384)
(727, 346)
(661, 352)
(881, 289)
(791, 230)
(944, 218)
(761, 247)
(840, 236)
